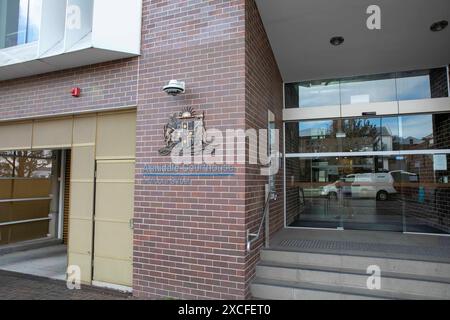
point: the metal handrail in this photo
(253, 237)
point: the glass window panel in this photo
(312, 94)
(319, 93)
(378, 88)
(362, 135)
(425, 84)
(34, 20)
(26, 175)
(425, 192)
(306, 206)
(389, 134)
(6, 164)
(19, 22)
(413, 86)
(312, 136)
(416, 132)
(33, 164)
(22, 22)
(291, 95)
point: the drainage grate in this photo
(367, 247)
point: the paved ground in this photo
(14, 286)
(48, 262)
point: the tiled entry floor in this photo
(48, 262)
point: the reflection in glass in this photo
(417, 132)
(34, 20)
(369, 89)
(27, 179)
(425, 193)
(312, 136)
(362, 135)
(6, 164)
(392, 133)
(423, 84)
(389, 133)
(357, 193)
(414, 85)
(322, 93)
(397, 193)
(19, 22)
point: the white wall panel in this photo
(77, 30)
(117, 25)
(52, 24)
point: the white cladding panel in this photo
(117, 26)
(74, 33)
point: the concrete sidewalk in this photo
(48, 262)
(15, 286)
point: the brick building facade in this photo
(189, 241)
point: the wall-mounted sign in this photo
(440, 162)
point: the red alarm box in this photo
(76, 92)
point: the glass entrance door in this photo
(358, 193)
(401, 193)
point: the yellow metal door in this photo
(113, 234)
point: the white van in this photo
(365, 185)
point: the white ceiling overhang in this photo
(300, 31)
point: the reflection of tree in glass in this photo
(26, 164)
(361, 135)
(6, 165)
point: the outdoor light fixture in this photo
(337, 41)
(439, 26)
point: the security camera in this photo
(175, 88)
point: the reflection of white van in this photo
(365, 185)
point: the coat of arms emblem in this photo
(187, 128)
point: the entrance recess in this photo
(97, 206)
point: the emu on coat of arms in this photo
(185, 127)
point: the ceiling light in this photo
(439, 26)
(337, 41)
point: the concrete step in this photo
(288, 290)
(395, 283)
(387, 265)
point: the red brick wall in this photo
(264, 91)
(190, 240)
(107, 85)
